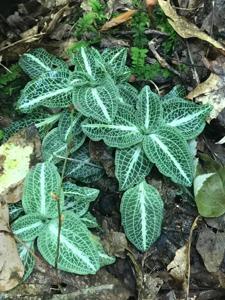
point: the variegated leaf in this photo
(15, 210)
(77, 252)
(128, 94)
(122, 133)
(132, 166)
(142, 214)
(54, 149)
(100, 102)
(104, 258)
(186, 116)
(69, 125)
(42, 123)
(89, 220)
(53, 89)
(149, 110)
(177, 92)
(115, 60)
(42, 190)
(28, 227)
(170, 152)
(81, 167)
(39, 61)
(78, 198)
(88, 61)
(26, 251)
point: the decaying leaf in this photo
(122, 18)
(186, 29)
(179, 266)
(11, 268)
(212, 91)
(211, 247)
(209, 190)
(15, 160)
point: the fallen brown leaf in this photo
(15, 161)
(212, 91)
(11, 268)
(186, 29)
(122, 18)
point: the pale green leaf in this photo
(15, 209)
(77, 252)
(69, 125)
(128, 94)
(149, 110)
(132, 166)
(186, 116)
(177, 91)
(42, 190)
(28, 227)
(104, 258)
(54, 149)
(89, 220)
(81, 167)
(142, 213)
(42, 123)
(26, 251)
(209, 190)
(88, 61)
(53, 89)
(170, 152)
(78, 198)
(100, 102)
(122, 133)
(39, 61)
(115, 60)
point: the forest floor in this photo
(162, 56)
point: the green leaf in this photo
(115, 60)
(77, 252)
(88, 61)
(15, 209)
(142, 213)
(89, 220)
(176, 92)
(53, 89)
(41, 188)
(209, 190)
(100, 102)
(169, 151)
(149, 110)
(132, 166)
(42, 123)
(105, 259)
(78, 198)
(28, 227)
(186, 116)
(25, 252)
(81, 167)
(69, 125)
(54, 149)
(128, 94)
(122, 133)
(39, 61)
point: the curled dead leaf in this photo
(186, 29)
(11, 268)
(122, 18)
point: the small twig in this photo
(194, 71)
(193, 227)
(160, 59)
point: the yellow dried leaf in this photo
(186, 29)
(122, 18)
